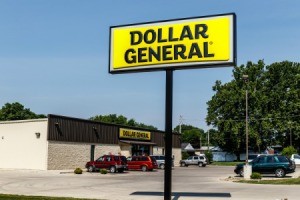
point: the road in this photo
(187, 183)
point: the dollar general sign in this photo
(179, 44)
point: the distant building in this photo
(188, 148)
(60, 142)
(210, 148)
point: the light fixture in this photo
(38, 135)
(96, 132)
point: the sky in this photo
(54, 55)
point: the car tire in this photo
(112, 169)
(91, 169)
(144, 168)
(280, 173)
(241, 172)
(200, 164)
(162, 166)
(182, 164)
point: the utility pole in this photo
(180, 123)
(247, 167)
(208, 140)
(200, 142)
(290, 126)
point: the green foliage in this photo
(209, 156)
(121, 120)
(191, 134)
(255, 175)
(184, 155)
(273, 106)
(16, 111)
(288, 151)
(214, 138)
(103, 171)
(78, 171)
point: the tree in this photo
(214, 137)
(16, 111)
(273, 96)
(121, 120)
(288, 151)
(191, 134)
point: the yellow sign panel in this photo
(135, 134)
(187, 42)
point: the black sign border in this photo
(196, 66)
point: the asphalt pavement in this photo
(191, 182)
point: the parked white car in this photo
(201, 161)
(296, 159)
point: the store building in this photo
(59, 142)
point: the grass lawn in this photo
(21, 197)
(284, 181)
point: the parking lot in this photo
(187, 183)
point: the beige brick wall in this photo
(105, 149)
(67, 155)
(176, 152)
(63, 155)
(126, 150)
(157, 150)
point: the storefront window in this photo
(140, 150)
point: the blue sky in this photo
(54, 55)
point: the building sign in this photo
(186, 43)
(135, 134)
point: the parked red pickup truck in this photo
(113, 163)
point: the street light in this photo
(247, 167)
(246, 78)
(290, 126)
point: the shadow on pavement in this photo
(184, 194)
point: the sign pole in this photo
(168, 135)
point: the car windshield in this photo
(254, 160)
(297, 156)
(100, 159)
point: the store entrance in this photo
(140, 150)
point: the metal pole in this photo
(208, 140)
(169, 135)
(291, 137)
(246, 126)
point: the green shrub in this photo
(209, 156)
(103, 171)
(255, 175)
(78, 171)
(184, 155)
(288, 151)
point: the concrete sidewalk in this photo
(296, 174)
